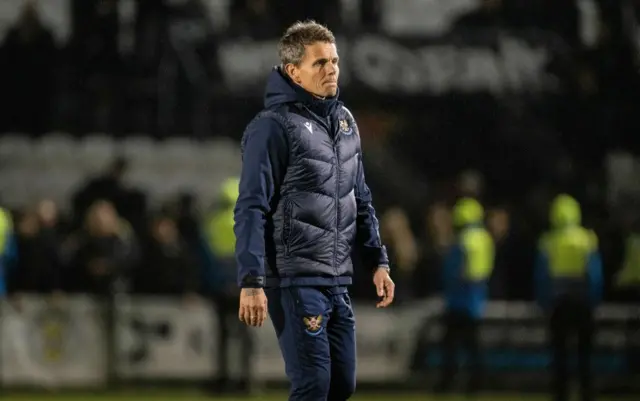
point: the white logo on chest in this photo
(309, 126)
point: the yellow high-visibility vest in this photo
(219, 232)
(630, 273)
(568, 249)
(6, 229)
(479, 251)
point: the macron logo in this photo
(309, 126)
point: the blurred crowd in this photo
(111, 242)
(107, 244)
(512, 151)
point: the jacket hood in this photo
(467, 211)
(230, 190)
(280, 90)
(565, 211)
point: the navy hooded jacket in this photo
(303, 202)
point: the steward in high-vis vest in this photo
(221, 271)
(568, 287)
(8, 249)
(466, 271)
(627, 280)
(221, 240)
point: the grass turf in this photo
(267, 397)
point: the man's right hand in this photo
(253, 306)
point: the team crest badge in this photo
(345, 128)
(313, 324)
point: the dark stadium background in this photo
(141, 103)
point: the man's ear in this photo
(292, 72)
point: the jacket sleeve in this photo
(265, 153)
(368, 241)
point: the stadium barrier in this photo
(76, 342)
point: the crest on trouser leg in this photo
(313, 325)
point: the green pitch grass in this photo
(269, 397)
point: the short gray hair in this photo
(297, 36)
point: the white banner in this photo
(164, 338)
(420, 17)
(64, 344)
(54, 14)
(504, 63)
(269, 362)
(380, 356)
(247, 64)
(53, 345)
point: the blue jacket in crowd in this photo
(303, 202)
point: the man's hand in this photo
(384, 286)
(253, 306)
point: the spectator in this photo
(168, 267)
(499, 226)
(107, 186)
(471, 183)
(396, 232)
(219, 265)
(103, 252)
(185, 213)
(437, 239)
(38, 268)
(50, 227)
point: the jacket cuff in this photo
(381, 258)
(385, 267)
(373, 258)
(253, 282)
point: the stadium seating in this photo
(53, 167)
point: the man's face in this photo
(498, 223)
(318, 71)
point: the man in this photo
(568, 286)
(8, 250)
(303, 206)
(627, 279)
(220, 269)
(467, 268)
